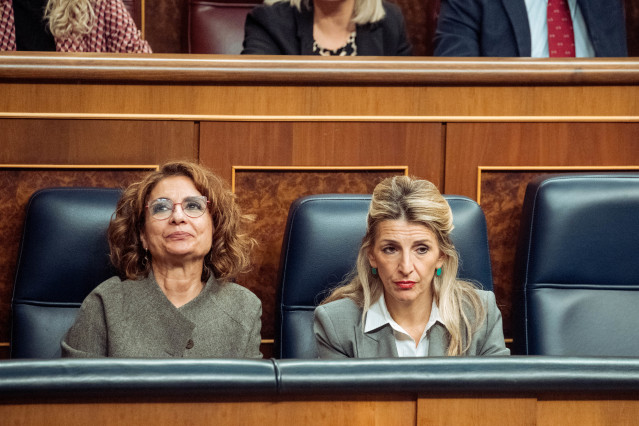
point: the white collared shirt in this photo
(537, 11)
(378, 316)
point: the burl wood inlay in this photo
(502, 196)
(16, 186)
(268, 195)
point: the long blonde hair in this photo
(364, 11)
(417, 201)
(70, 17)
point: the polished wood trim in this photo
(82, 166)
(330, 118)
(308, 70)
(235, 169)
(550, 169)
(142, 18)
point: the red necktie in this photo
(561, 37)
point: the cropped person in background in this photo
(405, 299)
(327, 28)
(536, 28)
(69, 26)
(177, 241)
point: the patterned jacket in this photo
(114, 31)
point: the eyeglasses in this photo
(162, 208)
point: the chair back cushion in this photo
(63, 256)
(322, 237)
(217, 26)
(577, 274)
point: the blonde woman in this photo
(69, 26)
(405, 299)
(327, 28)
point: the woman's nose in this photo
(405, 264)
(177, 215)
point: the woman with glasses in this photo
(176, 241)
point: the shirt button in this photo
(189, 344)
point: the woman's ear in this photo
(371, 259)
(143, 240)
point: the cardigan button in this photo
(189, 344)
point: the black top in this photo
(280, 29)
(32, 32)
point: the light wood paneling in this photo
(451, 410)
(476, 411)
(416, 145)
(587, 413)
(343, 412)
(27, 141)
(470, 145)
(336, 102)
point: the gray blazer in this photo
(339, 334)
(129, 319)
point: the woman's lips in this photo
(405, 285)
(178, 235)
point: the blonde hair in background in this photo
(69, 17)
(417, 201)
(364, 12)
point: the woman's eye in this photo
(159, 207)
(422, 249)
(193, 206)
(388, 250)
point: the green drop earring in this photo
(374, 271)
(438, 272)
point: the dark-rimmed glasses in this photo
(193, 207)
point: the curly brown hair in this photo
(230, 248)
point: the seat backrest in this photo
(63, 255)
(217, 26)
(321, 240)
(577, 267)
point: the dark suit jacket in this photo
(281, 29)
(501, 28)
(338, 333)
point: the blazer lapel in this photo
(305, 30)
(378, 343)
(438, 340)
(516, 11)
(369, 39)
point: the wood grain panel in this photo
(476, 411)
(31, 141)
(416, 145)
(470, 145)
(346, 412)
(268, 195)
(587, 413)
(338, 102)
(16, 186)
